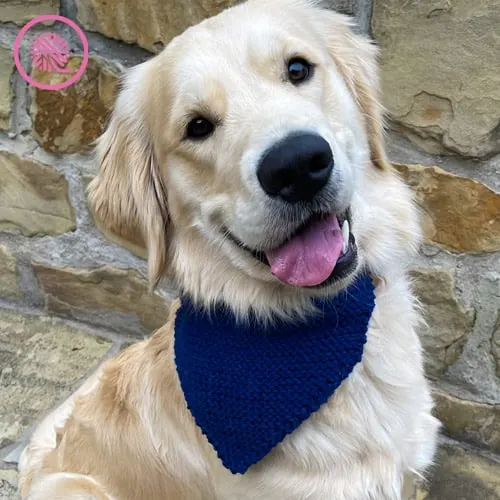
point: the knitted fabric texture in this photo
(248, 386)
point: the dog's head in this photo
(249, 155)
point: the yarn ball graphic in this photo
(50, 53)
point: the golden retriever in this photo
(196, 161)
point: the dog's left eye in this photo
(299, 70)
(199, 128)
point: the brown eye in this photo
(199, 128)
(299, 70)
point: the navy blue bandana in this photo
(248, 385)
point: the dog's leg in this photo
(66, 486)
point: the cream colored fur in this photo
(126, 434)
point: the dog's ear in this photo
(356, 57)
(127, 197)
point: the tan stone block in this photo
(409, 487)
(449, 322)
(72, 291)
(8, 485)
(420, 494)
(6, 70)
(440, 77)
(149, 23)
(462, 475)
(469, 421)
(459, 213)
(9, 288)
(69, 120)
(33, 198)
(42, 359)
(412, 489)
(21, 11)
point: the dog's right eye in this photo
(199, 128)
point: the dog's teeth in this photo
(345, 236)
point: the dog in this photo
(227, 154)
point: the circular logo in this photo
(50, 53)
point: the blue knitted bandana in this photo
(248, 385)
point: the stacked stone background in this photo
(70, 298)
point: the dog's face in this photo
(249, 156)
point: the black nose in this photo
(296, 168)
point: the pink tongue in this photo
(308, 258)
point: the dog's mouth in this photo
(319, 252)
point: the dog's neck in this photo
(250, 384)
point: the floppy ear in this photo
(127, 197)
(356, 58)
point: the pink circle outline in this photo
(81, 69)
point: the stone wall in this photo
(441, 87)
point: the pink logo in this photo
(50, 53)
